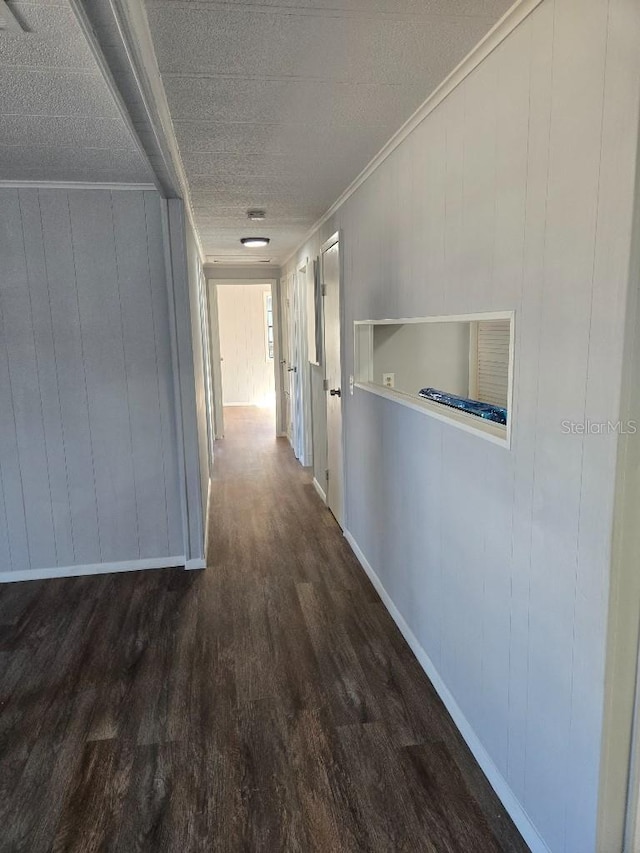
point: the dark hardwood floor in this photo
(268, 703)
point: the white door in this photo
(333, 375)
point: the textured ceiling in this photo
(281, 103)
(58, 119)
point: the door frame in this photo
(336, 237)
(216, 360)
(305, 441)
(212, 291)
(285, 354)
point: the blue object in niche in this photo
(489, 412)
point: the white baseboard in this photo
(93, 569)
(321, 492)
(496, 779)
(194, 565)
(206, 520)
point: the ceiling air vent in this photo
(8, 21)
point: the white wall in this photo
(88, 448)
(516, 192)
(198, 301)
(247, 375)
(423, 354)
(623, 665)
(241, 272)
(186, 316)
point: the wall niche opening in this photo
(457, 368)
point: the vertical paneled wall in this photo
(516, 192)
(199, 317)
(88, 470)
(247, 373)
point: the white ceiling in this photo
(58, 118)
(281, 103)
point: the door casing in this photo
(333, 340)
(303, 285)
(216, 366)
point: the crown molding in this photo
(73, 185)
(512, 18)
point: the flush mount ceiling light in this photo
(255, 242)
(256, 215)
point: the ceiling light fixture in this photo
(255, 242)
(256, 215)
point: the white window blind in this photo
(493, 362)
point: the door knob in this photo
(335, 392)
(292, 369)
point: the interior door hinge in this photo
(325, 384)
(326, 473)
(323, 289)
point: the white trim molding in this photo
(335, 238)
(512, 18)
(320, 491)
(74, 185)
(248, 281)
(363, 375)
(496, 779)
(488, 430)
(195, 565)
(206, 520)
(94, 569)
(241, 273)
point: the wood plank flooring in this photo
(268, 703)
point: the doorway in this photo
(330, 262)
(288, 365)
(248, 357)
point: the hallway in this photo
(266, 704)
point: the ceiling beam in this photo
(118, 33)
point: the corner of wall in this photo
(619, 795)
(184, 378)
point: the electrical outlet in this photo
(388, 380)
